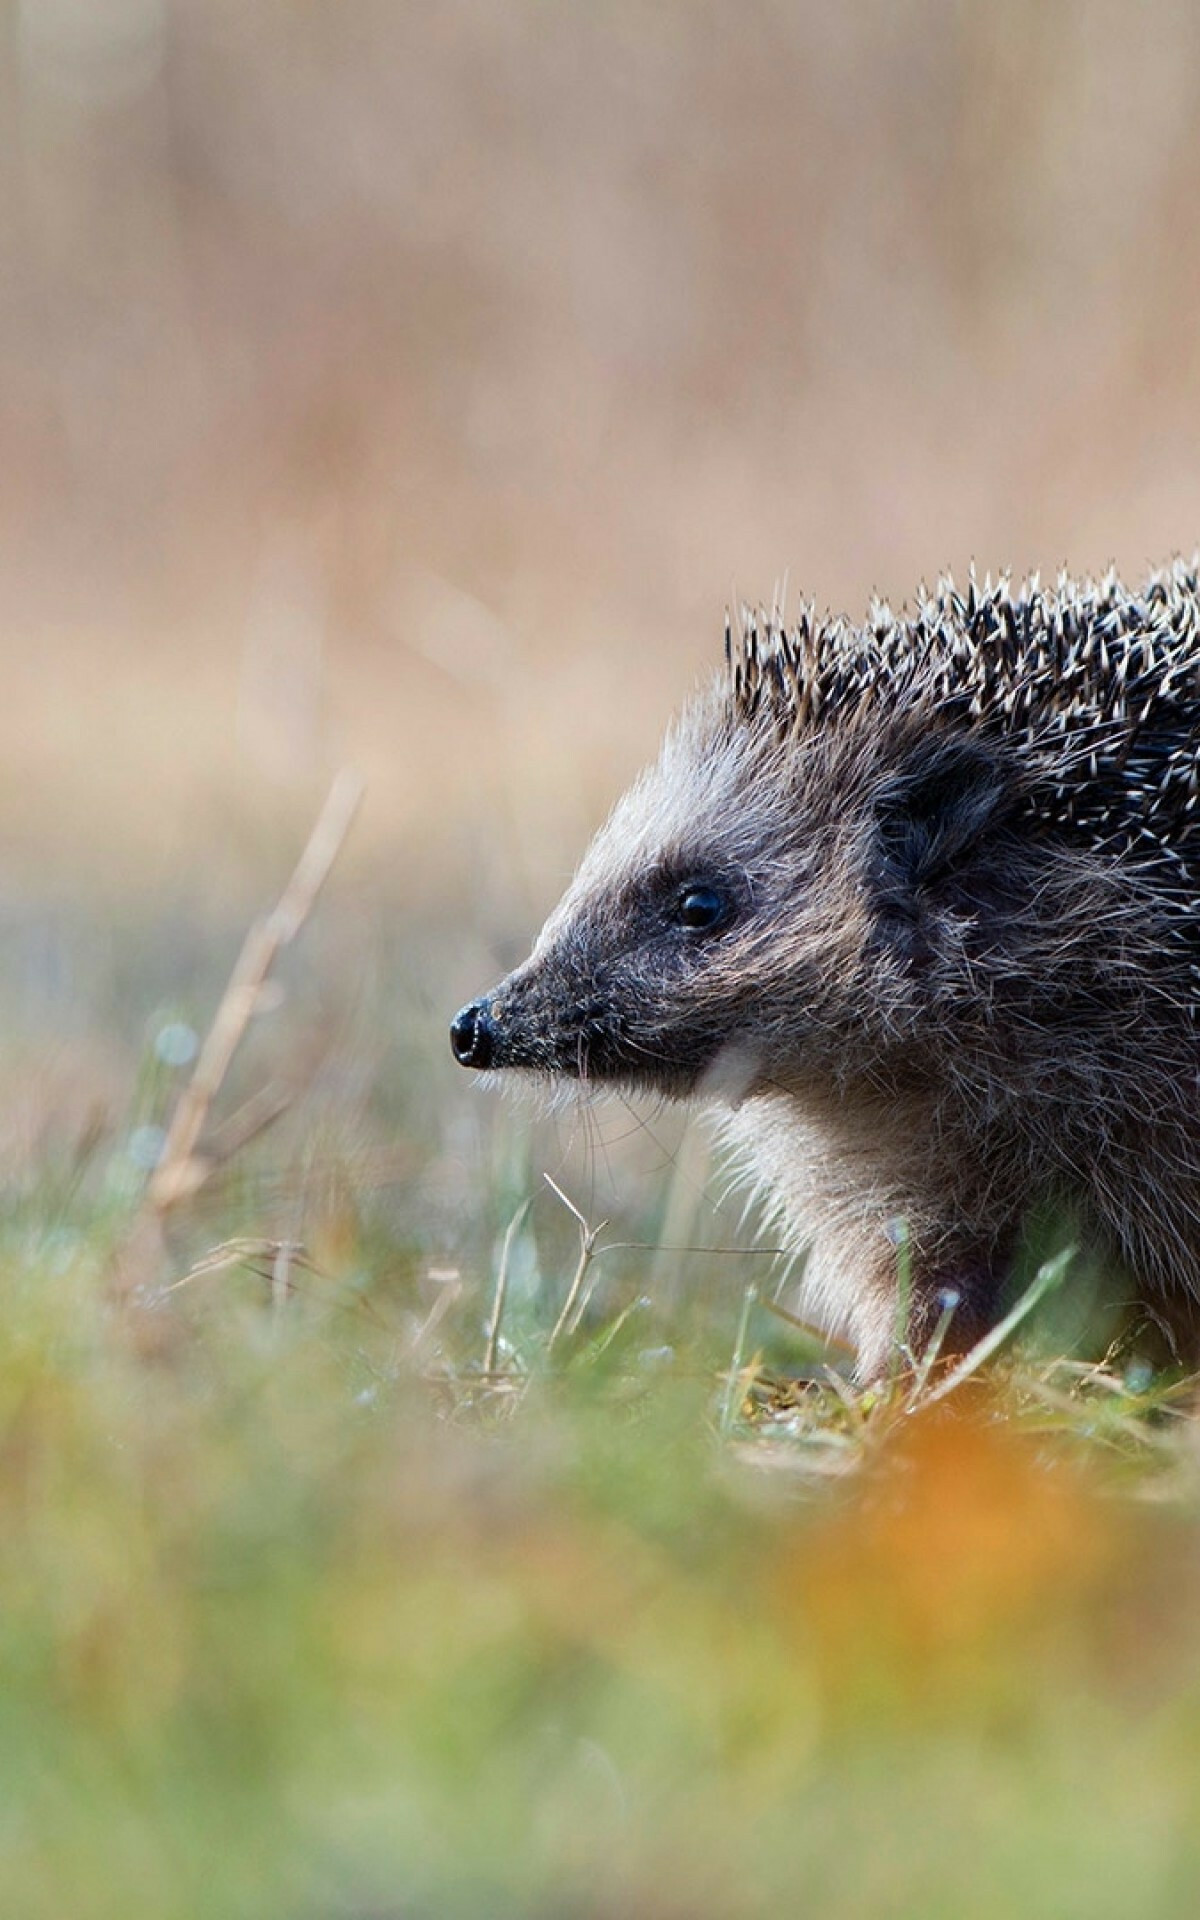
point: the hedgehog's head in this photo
(757, 912)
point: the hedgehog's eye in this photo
(701, 908)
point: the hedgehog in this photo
(917, 901)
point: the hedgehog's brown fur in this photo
(951, 862)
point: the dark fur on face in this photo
(918, 901)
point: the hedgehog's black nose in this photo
(472, 1036)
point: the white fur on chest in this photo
(826, 1197)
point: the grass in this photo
(382, 1535)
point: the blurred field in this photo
(418, 384)
(412, 388)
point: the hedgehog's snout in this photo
(473, 1035)
(506, 1027)
(537, 1018)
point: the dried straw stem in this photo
(181, 1171)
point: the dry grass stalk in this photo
(245, 1251)
(181, 1171)
(573, 1305)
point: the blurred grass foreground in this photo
(412, 1504)
(343, 1571)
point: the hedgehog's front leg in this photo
(874, 1205)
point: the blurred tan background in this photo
(415, 384)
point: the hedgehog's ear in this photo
(946, 796)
